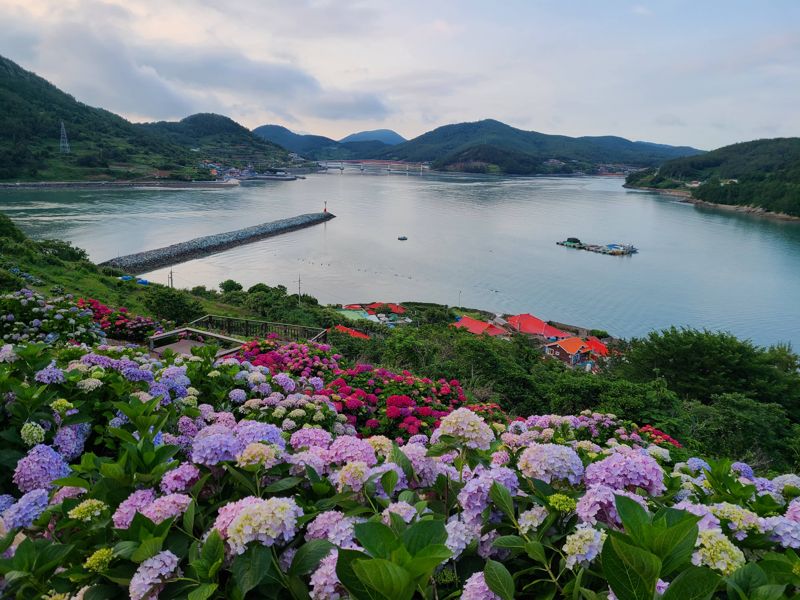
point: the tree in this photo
(172, 304)
(229, 285)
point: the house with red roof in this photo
(571, 350)
(598, 347)
(391, 306)
(351, 332)
(477, 327)
(531, 325)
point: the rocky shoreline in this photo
(686, 197)
(149, 260)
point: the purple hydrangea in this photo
(214, 444)
(134, 503)
(310, 437)
(599, 504)
(627, 471)
(697, 465)
(348, 448)
(708, 520)
(793, 511)
(551, 463)
(285, 381)
(26, 510)
(166, 507)
(474, 496)
(69, 440)
(237, 396)
(39, 468)
(335, 527)
(180, 479)
(325, 584)
(316, 383)
(475, 588)
(152, 575)
(743, 469)
(460, 534)
(785, 532)
(50, 374)
(248, 431)
(6, 500)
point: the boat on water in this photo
(613, 249)
(402, 238)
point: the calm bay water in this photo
(490, 241)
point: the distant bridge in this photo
(394, 166)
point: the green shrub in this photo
(172, 304)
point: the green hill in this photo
(219, 139)
(492, 146)
(762, 173)
(104, 145)
(318, 147)
(386, 136)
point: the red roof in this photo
(597, 346)
(531, 325)
(395, 308)
(478, 327)
(352, 307)
(351, 332)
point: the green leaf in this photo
(385, 577)
(499, 580)
(203, 591)
(424, 533)
(349, 579)
(772, 591)
(635, 520)
(401, 459)
(149, 547)
(424, 563)
(250, 569)
(389, 481)
(502, 499)
(536, 551)
(188, 517)
(512, 542)
(376, 538)
(125, 549)
(631, 572)
(282, 485)
(213, 548)
(309, 555)
(746, 578)
(675, 545)
(695, 583)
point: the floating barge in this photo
(610, 249)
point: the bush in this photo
(173, 304)
(229, 285)
(62, 250)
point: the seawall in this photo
(149, 260)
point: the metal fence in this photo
(250, 328)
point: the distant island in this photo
(759, 176)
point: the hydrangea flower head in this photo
(715, 550)
(466, 428)
(551, 463)
(26, 510)
(627, 471)
(152, 575)
(475, 588)
(267, 521)
(583, 545)
(88, 510)
(39, 468)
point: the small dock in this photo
(610, 249)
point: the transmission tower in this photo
(64, 140)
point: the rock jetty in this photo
(149, 260)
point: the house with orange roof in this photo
(477, 327)
(530, 325)
(572, 351)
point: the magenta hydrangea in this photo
(627, 471)
(39, 468)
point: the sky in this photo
(679, 72)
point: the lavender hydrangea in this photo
(310, 436)
(743, 469)
(134, 503)
(70, 439)
(460, 534)
(782, 530)
(348, 448)
(402, 509)
(237, 396)
(26, 510)
(627, 471)
(215, 447)
(152, 575)
(335, 527)
(39, 468)
(248, 431)
(475, 588)
(325, 584)
(285, 381)
(180, 479)
(551, 463)
(599, 504)
(166, 507)
(50, 374)
(583, 545)
(474, 496)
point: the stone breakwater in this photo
(149, 260)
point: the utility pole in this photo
(64, 144)
(171, 282)
(298, 289)
(459, 297)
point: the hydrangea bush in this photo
(130, 476)
(27, 316)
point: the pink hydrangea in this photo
(166, 507)
(627, 471)
(180, 479)
(134, 503)
(599, 504)
(347, 448)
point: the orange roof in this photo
(478, 327)
(351, 332)
(531, 325)
(572, 345)
(597, 346)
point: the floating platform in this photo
(610, 249)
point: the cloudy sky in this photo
(673, 71)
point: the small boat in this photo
(402, 238)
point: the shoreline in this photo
(127, 184)
(158, 258)
(687, 198)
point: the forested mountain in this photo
(387, 136)
(211, 135)
(104, 145)
(492, 146)
(761, 173)
(318, 147)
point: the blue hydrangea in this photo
(50, 374)
(26, 510)
(697, 465)
(237, 396)
(743, 469)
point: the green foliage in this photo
(9, 230)
(767, 174)
(172, 304)
(229, 285)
